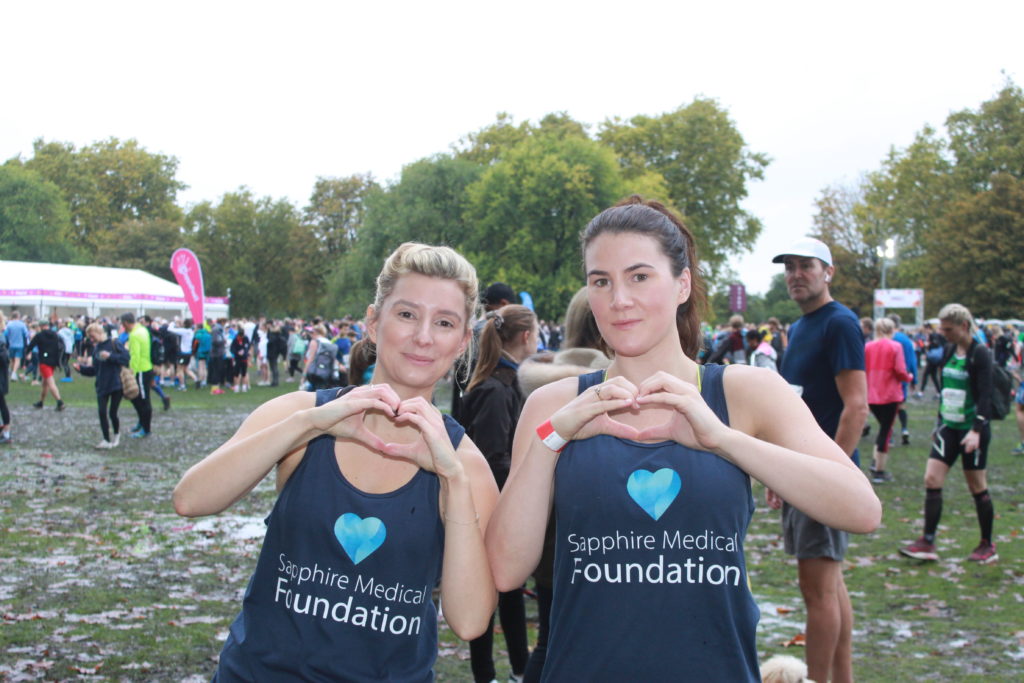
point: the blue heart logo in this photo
(359, 537)
(654, 491)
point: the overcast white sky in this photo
(272, 95)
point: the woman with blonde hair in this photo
(886, 369)
(379, 500)
(105, 363)
(962, 431)
(647, 468)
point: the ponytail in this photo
(501, 329)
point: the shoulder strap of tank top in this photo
(454, 429)
(327, 395)
(713, 390)
(588, 380)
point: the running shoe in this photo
(66, 379)
(216, 391)
(4, 440)
(906, 438)
(37, 404)
(104, 444)
(117, 440)
(880, 476)
(920, 550)
(60, 405)
(985, 553)
(140, 434)
(1019, 450)
(167, 402)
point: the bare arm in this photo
(515, 535)
(853, 388)
(467, 586)
(276, 433)
(774, 438)
(273, 431)
(785, 449)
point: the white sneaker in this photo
(104, 444)
(117, 440)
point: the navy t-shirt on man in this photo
(823, 343)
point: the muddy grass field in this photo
(100, 580)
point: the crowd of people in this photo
(611, 459)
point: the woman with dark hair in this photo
(490, 411)
(380, 499)
(647, 469)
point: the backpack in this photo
(156, 349)
(1002, 387)
(323, 362)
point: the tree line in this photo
(953, 202)
(513, 197)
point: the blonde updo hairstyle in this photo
(438, 262)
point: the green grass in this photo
(99, 578)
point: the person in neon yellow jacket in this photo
(142, 366)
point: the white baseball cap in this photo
(807, 247)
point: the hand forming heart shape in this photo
(692, 422)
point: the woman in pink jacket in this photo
(886, 369)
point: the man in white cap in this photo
(825, 363)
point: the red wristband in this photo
(550, 437)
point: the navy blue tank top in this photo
(650, 580)
(342, 588)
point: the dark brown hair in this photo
(648, 217)
(502, 327)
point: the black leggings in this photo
(5, 414)
(512, 613)
(114, 401)
(931, 370)
(885, 413)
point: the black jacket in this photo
(490, 413)
(107, 372)
(979, 375)
(49, 345)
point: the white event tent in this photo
(42, 289)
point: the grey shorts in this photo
(807, 539)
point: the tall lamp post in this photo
(886, 253)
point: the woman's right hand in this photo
(343, 417)
(587, 414)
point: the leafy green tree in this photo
(977, 248)
(838, 223)
(528, 208)
(488, 144)
(336, 211)
(34, 219)
(777, 302)
(990, 140)
(143, 244)
(107, 183)
(246, 244)
(706, 166)
(426, 205)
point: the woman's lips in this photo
(418, 360)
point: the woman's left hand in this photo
(439, 457)
(692, 423)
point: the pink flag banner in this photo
(185, 266)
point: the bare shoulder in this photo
(755, 395)
(549, 398)
(275, 410)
